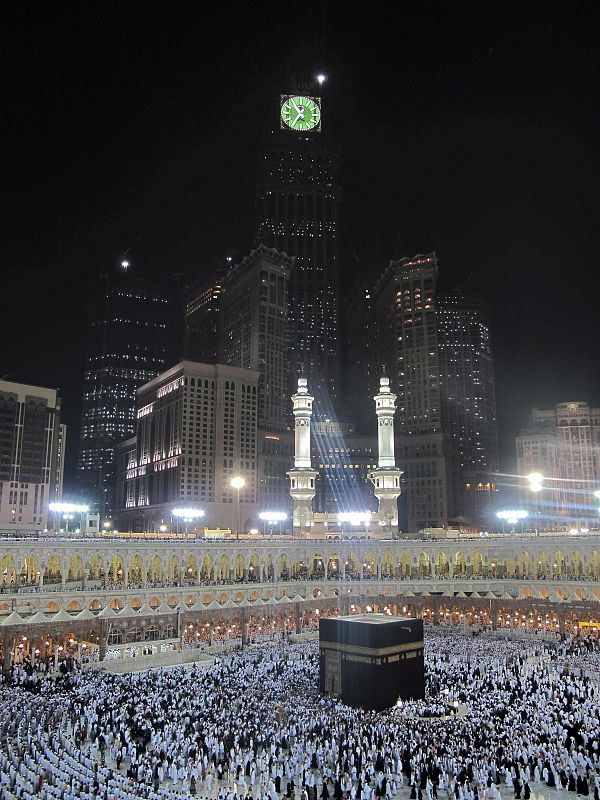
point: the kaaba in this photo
(371, 660)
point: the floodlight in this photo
(188, 513)
(535, 480)
(272, 516)
(512, 516)
(69, 507)
(355, 517)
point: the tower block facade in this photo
(386, 478)
(302, 476)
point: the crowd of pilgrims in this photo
(253, 725)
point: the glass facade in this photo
(298, 206)
(468, 402)
(128, 343)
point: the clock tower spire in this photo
(298, 213)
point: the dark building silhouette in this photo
(130, 339)
(202, 314)
(364, 362)
(201, 307)
(468, 403)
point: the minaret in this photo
(386, 478)
(302, 476)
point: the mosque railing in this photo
(310, 590)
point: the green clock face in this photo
(300, 113)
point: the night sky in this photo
(472, 132)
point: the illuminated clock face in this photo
(300, 113)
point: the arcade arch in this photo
(207, 569)
(352, 566)
(459, 566)
(96, 568)
(155, 570)
(370, 566)
(116, 570)
(423, 566)
(53, 570)
(442, 566)
(405, 565)
(223, 568)
(75, 571)
(8, 571)
(190, 573)
(387, 565)
(135, 573)
(173, 570)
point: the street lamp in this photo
(536, 481)
(237, 482)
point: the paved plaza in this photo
(253, 725)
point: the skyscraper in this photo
(128, 343)
(201, 311)
(468, 405)
(404, 303)
(298, 207)
(254, 335)
(411, 312)
(30, 466)
(59, 472)
(364, 356)
(437, 351)
(563, 445)
(195, 431)
(538, 451)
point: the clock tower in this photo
(298, 213)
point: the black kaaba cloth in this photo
(371, 660)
